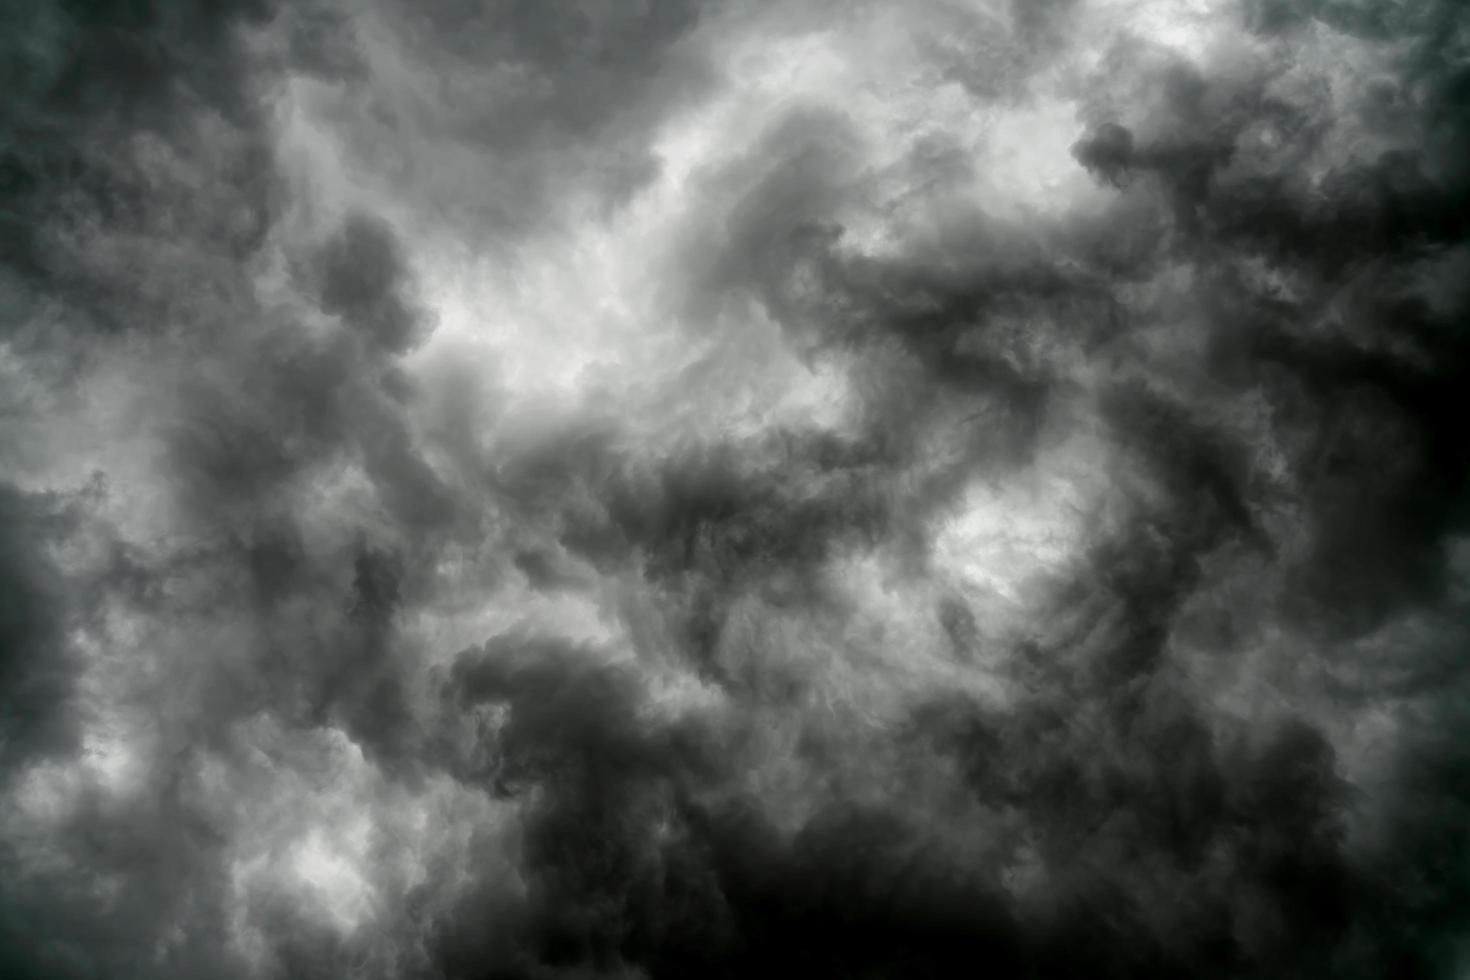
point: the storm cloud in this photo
(684, 489)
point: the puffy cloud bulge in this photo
(663, 489)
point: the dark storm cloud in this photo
(134, 172)
(1365, 369)
(1147, 782)
(1355, 351)
(993, 52)
(361, 273)
(139, 186)
(156, 857)
(633, 860)
(496, 109)
(220, 663)
(38, 669)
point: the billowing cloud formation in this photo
(672, 489)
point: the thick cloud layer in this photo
(673, 489)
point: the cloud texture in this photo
(675, 489)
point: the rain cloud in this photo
(675, 489)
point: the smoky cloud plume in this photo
(759, 489)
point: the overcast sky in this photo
(656, 489)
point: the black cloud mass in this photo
(673, 489)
